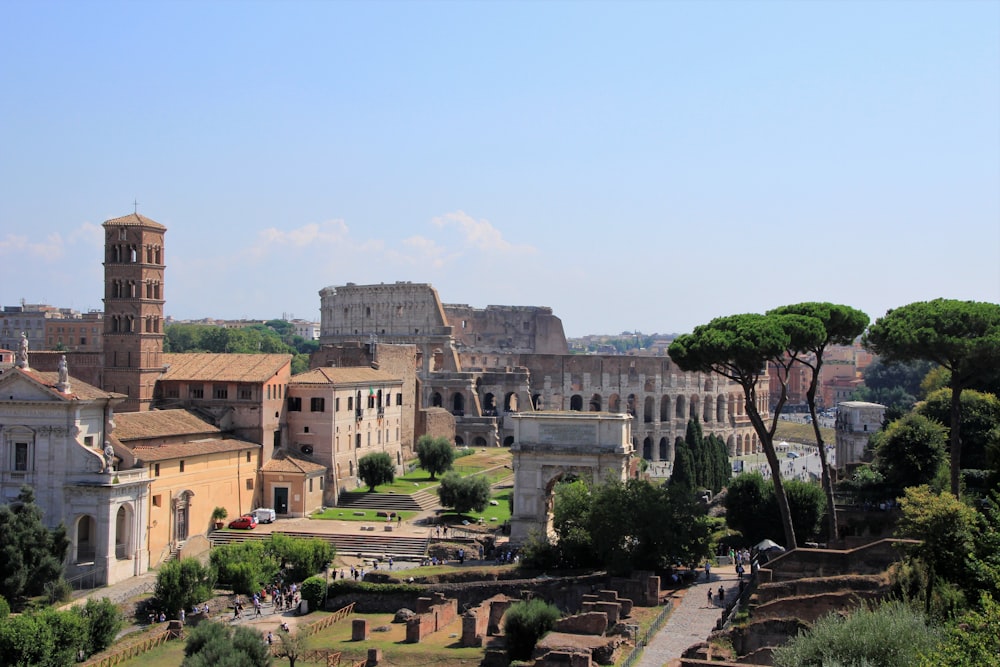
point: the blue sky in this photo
(640, 166)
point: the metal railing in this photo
(643, 640)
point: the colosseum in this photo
(483, 364)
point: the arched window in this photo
(595, 403)
(576, 402)
(647, 410)
(458, 404)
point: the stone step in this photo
(368, 544)
(378, 501)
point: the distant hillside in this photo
(803, 433)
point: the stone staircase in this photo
(363, 544)
(420, 501)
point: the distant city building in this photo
(79, 333)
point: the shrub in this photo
(375, 469)
(525, 623)
(183, 583)
(314, 592)
(244, 567)
(891, 635)
(104, 620)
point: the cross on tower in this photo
(135, 207)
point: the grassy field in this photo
(341, 514)
(493, 515)
(803, 433)
(477, 462)
(441, 648)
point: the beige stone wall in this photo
(225, 479)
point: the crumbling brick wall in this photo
(433, 613)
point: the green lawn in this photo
(500, 511)
(342, 514)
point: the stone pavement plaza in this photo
(692, 620)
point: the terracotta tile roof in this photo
(160, 423)
(213, 367)
(344, 375)
(79, 390)
(189, 449)
(135, 220)
(291, 464)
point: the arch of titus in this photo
(552, 446)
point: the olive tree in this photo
(961, 336)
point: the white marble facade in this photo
(53, 435)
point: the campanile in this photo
(133, 308)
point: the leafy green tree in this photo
(946, 529)
(464, 493)
(376, 468)
(841, 324)
(219, 646)
(291, 646)
(300, 557)
(103, 621)
(748, 502)
(314, 592)
(752, 509)
(183, 583)
(910, 451)
(525, 623)
(682, 475)
(31, 555)
(637, 525)
(571, 523)
(972, 640)
(980, 418)
(890, 635)
(962, 336)
(739, 347)
(896, 385)
(436, 455)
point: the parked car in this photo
(793, 455)
(264, 515)
(245, 522)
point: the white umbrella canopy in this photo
(764, 545)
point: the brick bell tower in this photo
(133, 308)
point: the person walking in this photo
(710, 596)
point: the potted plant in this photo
(219, 515)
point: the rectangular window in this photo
(156, 470)
(21, 457)
(220, 392)
(305, 429)
(248, 457)
(317, 404)
(89, 441)
(295, 404)
(336, 404)
(310, 484)
(249, 483)
(371, 401)
(182, 465)
(157, 500)
(350, 403)
(172, 392)
(399, 399)
(320, 483)
(246, 393)
(196, 391)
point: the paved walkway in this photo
(692, 619)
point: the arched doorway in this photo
(458, 404)
(86, 539)
(576, 402)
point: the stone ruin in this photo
(432, 614)
(580, 640)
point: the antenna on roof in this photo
(135, 206)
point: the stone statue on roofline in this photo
(63, 385)
(109, 457)
(22, 352)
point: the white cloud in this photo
(479, 234)
(54, 247)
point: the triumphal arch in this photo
(552, 446)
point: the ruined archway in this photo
(595, 446)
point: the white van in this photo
(264, 515)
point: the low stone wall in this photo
(816, 585)
(433, 613)
(872, 558)
(483, 620)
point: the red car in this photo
(245, 522)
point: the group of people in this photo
(282, 597)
